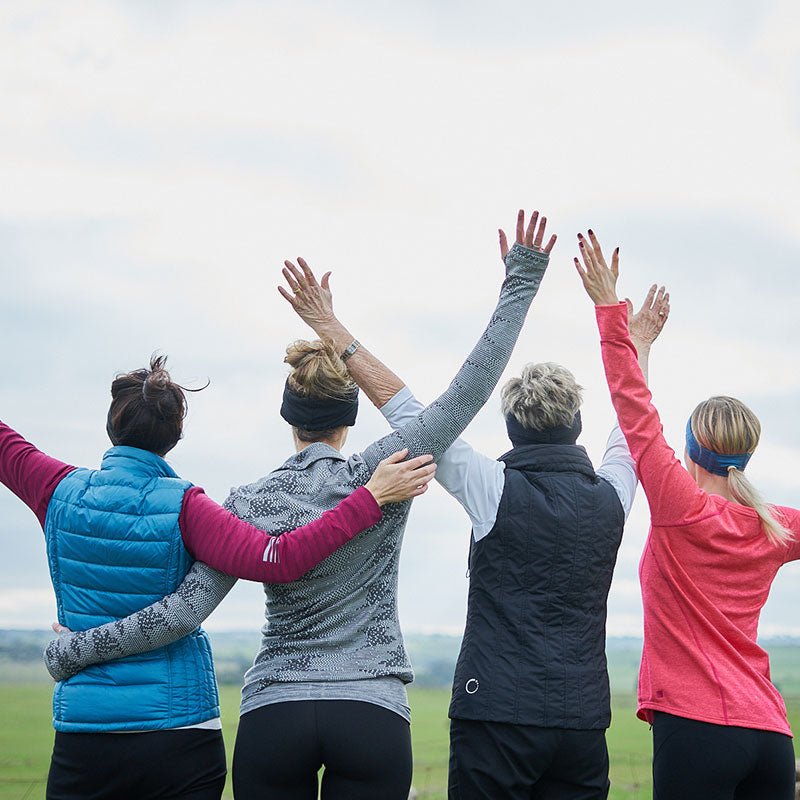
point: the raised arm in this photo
(437, 427)
(671, 492)
(158, 625)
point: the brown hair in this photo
(147, 408)
(727, 426)
(317, 371)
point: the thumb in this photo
(503, 244)
(630, 307)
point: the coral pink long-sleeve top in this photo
(209, 532)
(705, 572)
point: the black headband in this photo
(562, 434)
(318, 414)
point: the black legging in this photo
(700, 761)
(159, 765)
(365, 749)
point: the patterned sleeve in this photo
(440, 424)
(158, 625)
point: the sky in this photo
(160, 160)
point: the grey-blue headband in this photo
(715, 463)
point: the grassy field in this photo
(26, 739)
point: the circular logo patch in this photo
(472, 686)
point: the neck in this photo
(336, 442)
(713, 484)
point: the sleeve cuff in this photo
(612, 321)
(396, 402)
(367, 506)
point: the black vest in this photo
(534, 647)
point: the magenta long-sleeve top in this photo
(209, 532)
(705, 572)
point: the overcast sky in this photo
(159, 160)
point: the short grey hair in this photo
(545, 396)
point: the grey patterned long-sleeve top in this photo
(339, 621)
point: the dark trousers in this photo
(493, 760)
(156, 765)
(701, 761)
(365, 749)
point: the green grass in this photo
(26, 738)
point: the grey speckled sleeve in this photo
(160, 624)
(443, 421)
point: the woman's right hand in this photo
(648, 321)
(396, 480)
(527, 236)
(312, 301)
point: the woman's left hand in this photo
(312, 301)
(599, 280)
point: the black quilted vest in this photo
(534, 646)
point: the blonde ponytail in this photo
(746, 494)
(727, 426)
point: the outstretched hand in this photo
(528, 236)
(648, 322)
(599, 280)
(312, 301)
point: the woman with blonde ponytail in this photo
(719, 724)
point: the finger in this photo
(419, 461)
(290, 279)
(530, 229)
(659, 299)
(629, 304)
(550, 244)
(521, 226)
(503, 244)
(395, 458)
(537, 242)
(581, 271)
(425, 473)
(648, 300)
(298, 276)
(325, 283)
(615, 262)
(586, 255)
(307, 273)
(286, 295)
(419, 490)
(598, 252)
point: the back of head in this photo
(726, 426)
(545, 397)
(147, 409)
(319, 373)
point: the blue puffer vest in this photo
(114, 547)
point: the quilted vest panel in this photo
(533, 651)
(114, 547)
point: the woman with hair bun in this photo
(719, 724)
(120, 537)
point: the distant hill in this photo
(433, 657)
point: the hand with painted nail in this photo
(529, 236)
(599, 280)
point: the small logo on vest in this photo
(472, 686)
